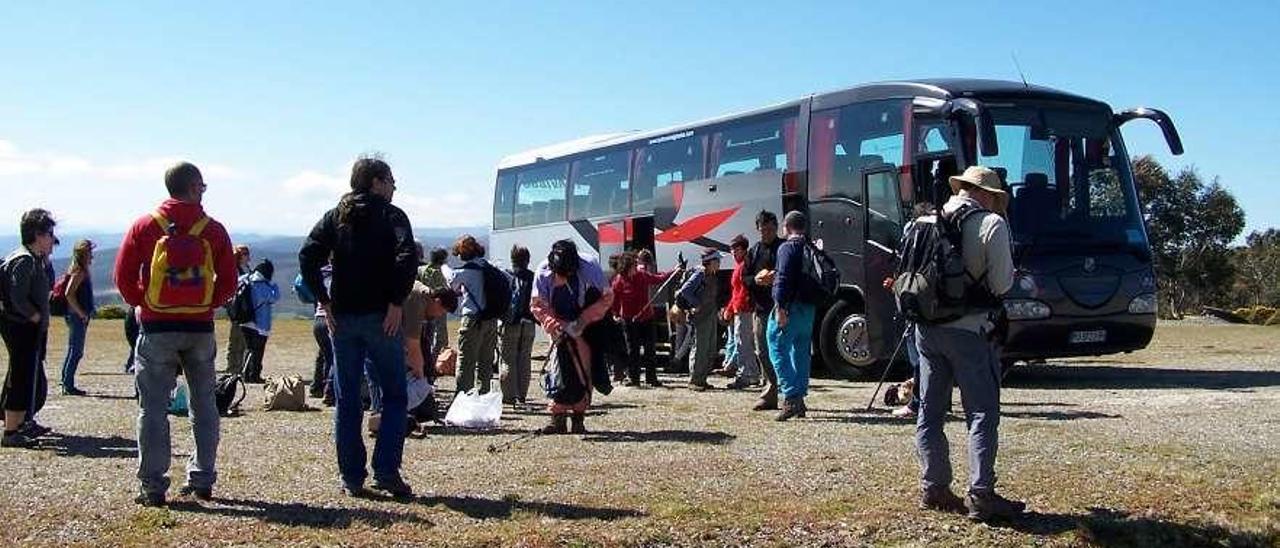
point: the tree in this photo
(1191, 226)
(1258, 269)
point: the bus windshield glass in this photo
(1068, 177)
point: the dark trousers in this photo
(324, 357)
(22, 340)
(131, 330)
(427, 341)
(255, 345)
(640, 349)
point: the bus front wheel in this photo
(845, 342)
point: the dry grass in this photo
(1171, 446)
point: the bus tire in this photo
(844, 357)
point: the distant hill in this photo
(281, 250)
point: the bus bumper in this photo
(1068, 337)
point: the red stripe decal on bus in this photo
(695, 227)
(609, 234)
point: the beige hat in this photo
(983, 178)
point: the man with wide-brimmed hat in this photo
(963, 352)
(698, 296)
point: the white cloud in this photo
(15, 162)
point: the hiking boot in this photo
(700, 386)
(739, 384)
(557, 425)
(200, 493)
(651, 378)
(395, 487)
(763, 404)
(328, 399)
(73, 391)
(578, 424)
(34, 429)
(804, 408)
(989, 506)
(790, 409)
(941, 499)
(17, 439)
(354, 490)
(150, 500)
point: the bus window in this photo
(846, 141)
(753, 146)
(600, 186)
(663, 161)
(540, 195)
(884, 212)
(504, 201)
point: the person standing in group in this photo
(757, 275)
(961, 352)
(264, 294)
(235, 341)
(80, 309)
(738, 314)
(177, 264)
(516, 331)
(369, 242)
(24, 324)
(632, 288)
(790, 332)
(570, 293)
(432, 275)
(321, 375)
(478, 335)
(698, 298)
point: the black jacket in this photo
(761, 256)
(374, 258)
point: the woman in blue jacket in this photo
(265, 294)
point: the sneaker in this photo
(73, 391)
(34, 429)
(941, 499)
(17, 439)
(905, 412)
(989, 506)
(395, 487)
(200, 493)
(150, 500)
(739, 384)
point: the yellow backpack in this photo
(182, 272)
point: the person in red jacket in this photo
(176, 266)
(631, 304)
(739, 314)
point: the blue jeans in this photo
(956, 356)
(358, 337)
(790, 349)
(76, 330)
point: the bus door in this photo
(884, 227)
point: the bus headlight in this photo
(1026, 309)
(1143, 304)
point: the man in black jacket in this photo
(374, 263)
(757, 274)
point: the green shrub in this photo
(1264, 315)
(110, 312)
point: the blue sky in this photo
(274, 99)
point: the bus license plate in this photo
(1087, 337)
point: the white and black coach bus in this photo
(858, 161)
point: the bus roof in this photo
(938, 88)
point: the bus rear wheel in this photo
(844, 342)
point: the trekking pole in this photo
(871, 404)
(500, 447)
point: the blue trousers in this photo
(358, 337)
(791, 349)
(76, 331)
(957, 356)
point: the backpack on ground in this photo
(932, 284)
(58, 298)
(821, 279)
(285, 394)
(182, 270)
(242, 309)
(300, 289)
(497, 291)
(225, 394)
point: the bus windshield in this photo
(1068, 177)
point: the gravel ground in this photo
(1173, 445)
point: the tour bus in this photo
(861, 163)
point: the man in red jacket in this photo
(738, 314)
(176, 266)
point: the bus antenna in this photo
(1018, 66)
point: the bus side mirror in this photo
(1160, 118)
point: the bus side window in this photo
(662, 163)
(884, 209)
(540, 195)
(504, 202)
(758, 145)
(600, 186)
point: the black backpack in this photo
(497, 291)
(821, 279)
(521, 294)
(224, 394)
(932, 284)
(242, 309)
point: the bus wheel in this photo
(844, 341)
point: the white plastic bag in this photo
(473, 410)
